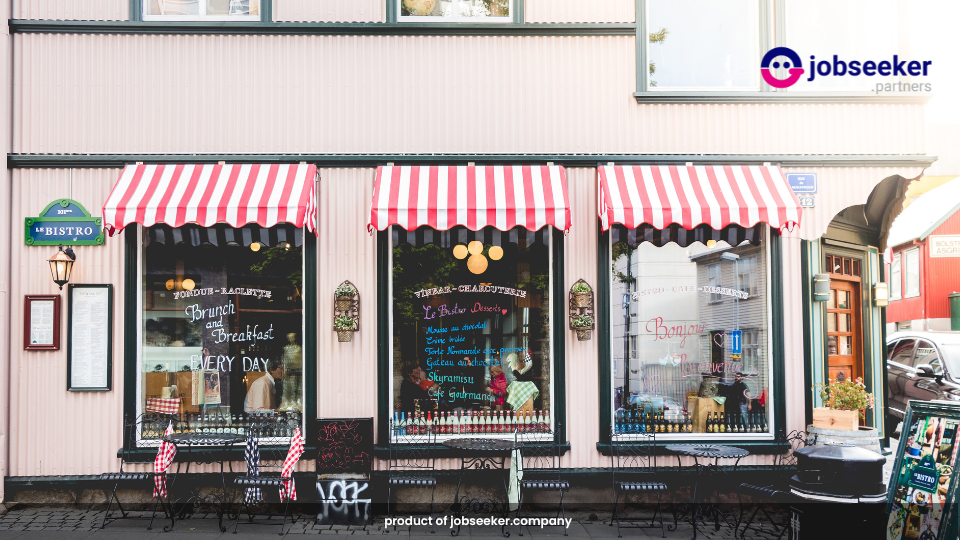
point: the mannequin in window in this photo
(522, 391)
(293, 368)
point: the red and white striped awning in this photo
(207, 194)
(475, 197)
(716, 195)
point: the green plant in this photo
(580, 287)
(345, 322)
(345, 291)
(846, 395)
(582, 321)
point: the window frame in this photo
(772, 33)
(133, 335)
(138, 14)
(775, 414)
(393, 16)
(385, 340)
(896, 278)
(759, 38)
(715, 298)
(754, 272)
(906, 272)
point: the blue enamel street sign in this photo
(63, 222)
(802, 182)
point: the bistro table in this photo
(711, 471)
(482, 455)
(202, 448)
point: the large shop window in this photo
(471, 329)
(700, 313)
(677, 31)
(201, 10)
(455, 10)
(222, 326)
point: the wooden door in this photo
(844, 330)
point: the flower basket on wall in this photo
(345, 335)
(584, 334)
(581, 310)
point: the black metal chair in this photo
(144, 432)
(413, 460)
(778, 492)
(273, 443)
(633, 462)
(540, 457)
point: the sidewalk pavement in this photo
(71, 524)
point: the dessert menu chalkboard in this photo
(89, 337)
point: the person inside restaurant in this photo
(263, 392)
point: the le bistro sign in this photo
(63, 222)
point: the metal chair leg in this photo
(150, 526)
(564, 514)
(616, 501)
(109, 503)
(286, 511)
(663, 529)
(433, 493)
(519, 506)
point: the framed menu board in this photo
(922, 501)
(89, 337)
(41, 322)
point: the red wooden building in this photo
(923, 260)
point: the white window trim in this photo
(770, 413)
(429, 19)
(896, 293)
(201, 7)
(906, 273)
(151, 443)
(755, 36)
(444, 437)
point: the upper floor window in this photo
(714, 281)
(912, 272)
(747, 276)
(703, 44)
(895, 280)
(839, 32)
(455, 10)
(201, 10)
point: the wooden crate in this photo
(825, 418)
(700, 408)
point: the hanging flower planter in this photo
(345, 295)
(345, 335)
(584, 334)
(581, 310)
(346, 311)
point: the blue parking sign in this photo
(737, 342)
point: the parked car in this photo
(921, 366)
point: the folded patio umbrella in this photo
(287, 488)
(161, 463)
(252, 495)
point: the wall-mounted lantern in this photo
(881, 294)
(61, 265)
(821, 287)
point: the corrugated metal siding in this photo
(52, 431)
(393, 94)
(793, 332)
(578, 11)
(329, 10)
(943, 273)
(582, 357)
(76, 10)
(842, 187)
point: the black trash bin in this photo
(838, 492)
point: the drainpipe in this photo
(6, 255)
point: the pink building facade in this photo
(350, 87)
